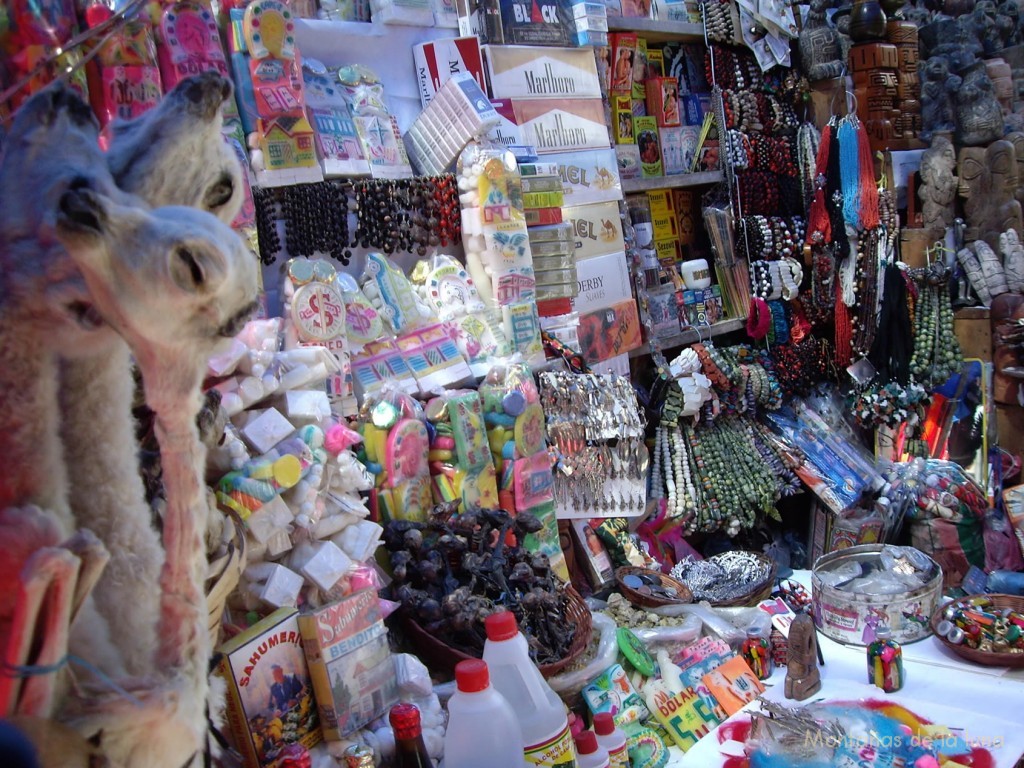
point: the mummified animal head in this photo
(173, 281)
(52, 144)
(175, 154)
(53, 139)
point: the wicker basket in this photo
(223, 574)
(651, 601)
(762, 590)
(441, 657)
(987, 658)
(757, 592)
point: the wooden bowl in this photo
(986, 658)
(651, 601)
(441, 657)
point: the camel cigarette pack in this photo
(270, 700)
(532, 72)
(590, 176)
(350, 663)
(438, 60)
(597, 227)
(558, 125)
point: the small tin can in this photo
(358, 756)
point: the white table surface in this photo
(987, 701)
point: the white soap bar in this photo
(278, 543)
(273, 516)
(360, 540)
(327, 566)
(266, 430)
(223, 363)
(282, 588)
(307, 405)
(328, 526)
(304, 375)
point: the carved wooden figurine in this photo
(938, 191)
(821, 47)
(974, 182)
(979, 118)
(802, 676)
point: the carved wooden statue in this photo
(802, 676)
(938, 191)
(938, 87)
(1017, 139)
(974, 184)
(979, 118)
(821, 47)
(1004, 209)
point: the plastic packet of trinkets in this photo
(862, 371)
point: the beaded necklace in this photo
(819, 223)
(808, 140)
(849, 166)
(937, 354)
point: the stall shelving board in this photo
(682, 181)
(657, 30)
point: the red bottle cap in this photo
(586, 743)
(96, 14)
(405, 719)
(501, 626)
(604, 723)
(471, 675)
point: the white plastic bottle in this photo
(547, 740)
(611, 738)
(589, 752)
(482, 728)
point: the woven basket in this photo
(441, 657)
(987, 658)
(651, 601)
(757, 592)
(223, 574)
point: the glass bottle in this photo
(410, 751)
(757, 652)
(885, 661)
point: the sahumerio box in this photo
(535, 72)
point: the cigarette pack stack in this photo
(458, 114)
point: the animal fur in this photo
(172, 155)
(45, 310)
(172, 310)
(173, 283)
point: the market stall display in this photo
(583, 399)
